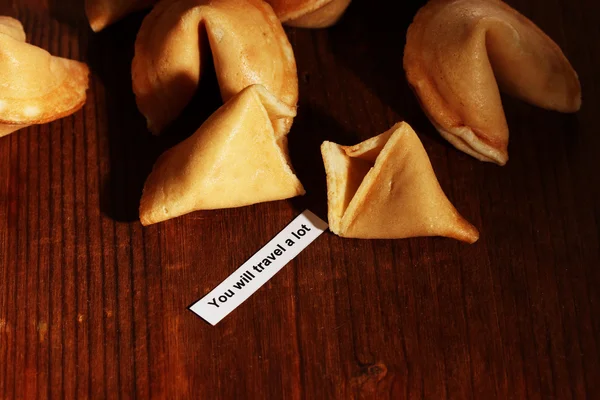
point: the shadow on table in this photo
(369, 40)
(8, 8)
(311, 127)
(70, 12)
(133, 150)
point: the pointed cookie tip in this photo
(469, 234)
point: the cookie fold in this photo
(234, 159)
(309, 13)
(244, 38)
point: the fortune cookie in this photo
(385, 188)
(247, 43)
(457, 54)
(309, 13)
(102, 13)
(35, 87)
(234, 159)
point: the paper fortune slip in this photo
(261, 267)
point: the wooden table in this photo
(92, 305)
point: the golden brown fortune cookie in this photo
(102, 13)
(247, 43)
(234, 159)
(309, 13)
(385, 188)
(457, 54)
(35, 87)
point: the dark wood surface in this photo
(92, 305)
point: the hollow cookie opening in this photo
(385, 187)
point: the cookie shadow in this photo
(311, 128)
(132, 149)
(369, 40)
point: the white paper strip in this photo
(261, 267)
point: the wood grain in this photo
(93, 305)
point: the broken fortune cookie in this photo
(35, 87)
(460, 52)
(234, 159)
(385, 188)
(247, 43)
